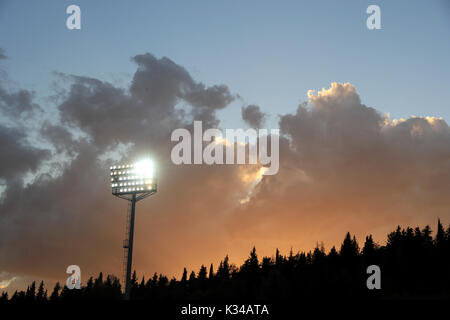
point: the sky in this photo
(270, 53)
(366, 150)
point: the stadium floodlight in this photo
(132, 182)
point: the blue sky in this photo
(268, 52)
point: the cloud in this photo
(69, 217)
(17, 156)
(253, 116)
(5, 280)
(343, 166)
(148, 111)
(16, 104)
(164, 83)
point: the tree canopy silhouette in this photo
(412, 263)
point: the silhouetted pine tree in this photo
(224, 270)
(41, 295)
(184, 278)
(88, 290)
(55, 294)
(99, 281)
(349, 248)
(30, 295)
(211, 272)
(192, 277)
(440, 234)
(4, 297)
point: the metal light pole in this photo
(133, 183)
(130, 248)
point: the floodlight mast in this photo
(132, 182)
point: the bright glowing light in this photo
(133, 178)
(145, 168)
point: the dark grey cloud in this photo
(253, 116)
(18, 103)
(2, 54)
(51, 221)
(148, 111)
(17, 156)
(59, 137)
(163, 82)
(14, 104)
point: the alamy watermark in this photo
(255, 141)
(74, 280)
(74, 20)
(374, 281)
(373, 22)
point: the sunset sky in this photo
(364, 146)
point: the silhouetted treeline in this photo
(413, 265)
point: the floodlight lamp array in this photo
(133, 178)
